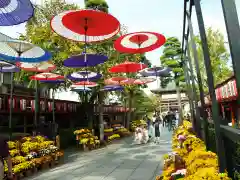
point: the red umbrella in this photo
(85, 84)
(140, 81)
(139, 42)
(85, 25)
(36, 67)
(116, 80)
(46, 76)
(127, 67)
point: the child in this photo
(145, 135)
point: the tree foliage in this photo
(171, 57)
(219, 57)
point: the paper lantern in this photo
(32, 105)
(58, 106)
(1, 104)
(65, 107)
(13, 103)
(42, 106)
(23, 104)
(50, 106)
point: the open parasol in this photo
(84, 75)
(6, 67)
(127, 67)
(46, 76)
(36, 67)
(84, 84)
(112, 88)
(156, 71)
(81, 89)
(13, 12)
(139, 42)
(116, 80)
(85, 60)
(85, 25)
(16, 50)
(139, 81)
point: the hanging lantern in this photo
(49, 106)
(33, 105)
(65, 107)
(58, 106)
(1, 104)
(13, 103)
(70, 107)
(23, 104)
(42, 106)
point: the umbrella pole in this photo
(11, 107)
(35, 105)
(53, 114)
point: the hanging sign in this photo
(23, 104)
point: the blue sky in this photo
(161, 16)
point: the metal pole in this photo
(11, 107)
(53, 113)
(35, 106)
(189, 90)
(215, 108)
(199, 78)
(233, 31)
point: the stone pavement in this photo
(119, 161)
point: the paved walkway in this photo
(120, 161)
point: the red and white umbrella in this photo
(84, 83)
(127, 67)
(139, 42)
(85, 25)
(46, 76)
(36, 67)
(116, 80)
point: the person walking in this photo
(157, 128)
(151, 131)
(5, 155)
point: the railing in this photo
(222, 139)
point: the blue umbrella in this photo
(85, 60)
(156, 71)
(53, 81)
(21, 51)
(112, 88)
(84, 75)
(13, 12)
(81, 89)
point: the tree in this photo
(100, 5)
(171, 57)
(219, 57)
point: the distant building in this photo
(169, 97)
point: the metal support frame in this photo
(215, 108)
(199, 78)
(233, 31)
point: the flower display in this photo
(190, 160)
(114, 136)
(31, 152)
(108, 130)
(82, 131)
(136, 123)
